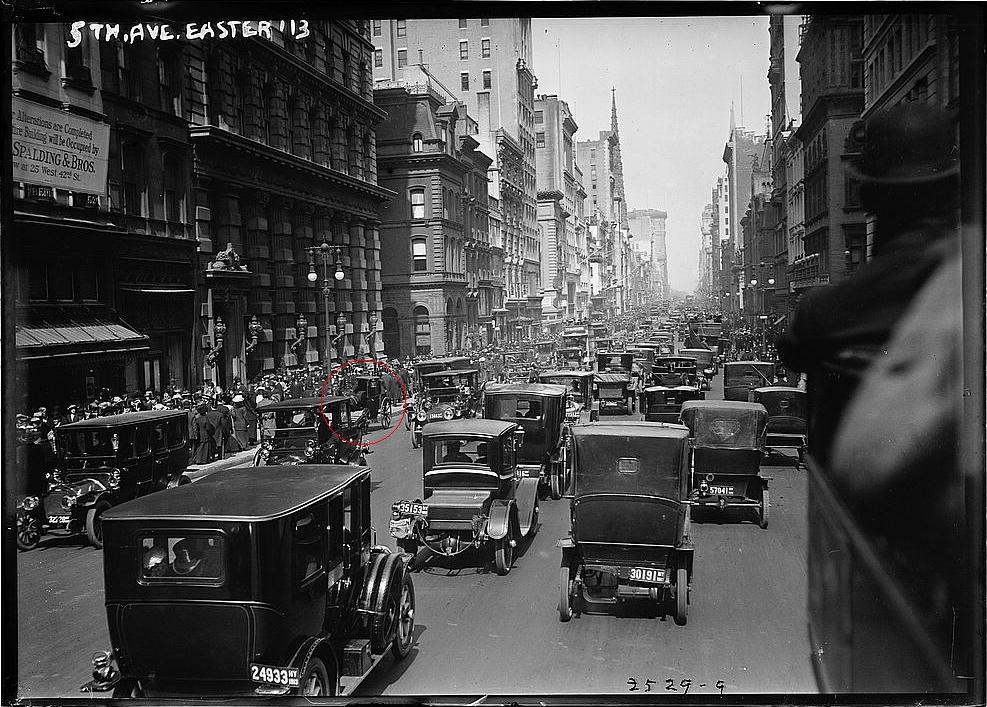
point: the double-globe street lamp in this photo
(324, 253)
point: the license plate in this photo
(721, 490)
(271, 675)
(647, 574)
(58, 520)
(409, 508)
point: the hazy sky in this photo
(675, 79)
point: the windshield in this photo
(629, 464)
(97, 443)
(726, 428)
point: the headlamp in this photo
(30, 503)
(448, 414)
(421, 416)
(309, 449)
(115, 478)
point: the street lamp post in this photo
(323, 253)
(219, 332)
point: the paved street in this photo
(479, 633)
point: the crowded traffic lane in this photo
(479, 633)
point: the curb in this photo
(195, 473)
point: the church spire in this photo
(613, 111)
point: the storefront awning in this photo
(44, 332)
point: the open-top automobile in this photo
(451, 394)
(312, 431)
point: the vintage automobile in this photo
(604, 343)
(581, 405)
(474, 493)
(433, 365)
(630, 518)
(517, 365)
(706, 365)
(371, 398)
(787, 424)
(727, 450)
(444, 395)
(675, 371)
(545, 353)
(251, 582)
(661, 403)
(615, 387)
(311, 431)
(100, 463)
(740, 378)
(540, 410)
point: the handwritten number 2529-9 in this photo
(670, 685)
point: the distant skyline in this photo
(675, 80)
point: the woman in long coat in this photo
(202, 433)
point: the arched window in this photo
(419, 255)
(423, 332)
(416, 142)
(417, 203)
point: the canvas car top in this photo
(630, 457)
(612, 377)
(466, 428)
(544, 389)
(725, 424)
(295, 403)
(126, 418)
(246, 493)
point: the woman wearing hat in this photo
(239, 440)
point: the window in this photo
(402, 58)
(485, 48)
(423, 332)
(539, 139)
(419, 255)
(378, 58)
(174, 196)
(416, 142)
(77, 60)
(417, 203)
(376, 28)
(308, 545)
(192, 559)
(485, 22)
(401, 28)
(464, 81)
(462, 24)
(486, 79)
(464, 50)
(131, 171)
(30, 39)
(539, 116)
(169, 84)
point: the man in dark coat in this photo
(217, 420)
(203, 435)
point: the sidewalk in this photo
(201, 471)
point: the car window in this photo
(177, 431)
(185, 558)
(308, 544)
(159, 436)
(461, 452)
(140, 440)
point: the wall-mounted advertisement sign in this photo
(58, 149)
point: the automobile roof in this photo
(749, 363)
(634, 428)
(779, 389)
(478, 427)
(612, 377)
(657, 388)
(723, 405)
(563, 372)
(247, 493)
(546, 389)
(450, 372)
(295, 403)
(125, 418)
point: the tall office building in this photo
(486, 63)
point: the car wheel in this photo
(315, 681)
(681, 596)
(504, 552)
(94, 524)
(415, 439)
(407, 418)
(28, 531)
(565, 594)
(385, 416)
(555, 482)
(404, 632)
(763, 510)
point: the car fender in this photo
(316, 647)
(526, 497)
(498, 521)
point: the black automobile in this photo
(251, 582)
(474, 493)
(444, 395)
(787, 417)
(100, 463)
(616, 388)
(740, 378)
(661, 403)
(540, 410)
(629, 520)
(311, 431)
(727, 451)
(581, 404)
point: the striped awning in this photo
(44, 331)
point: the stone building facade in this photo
(284, 139)
(436, 263)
